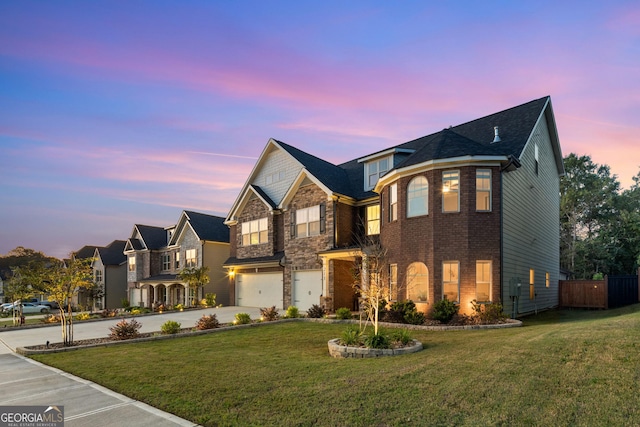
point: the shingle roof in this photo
(208, 227)
(113, 254)
(334, 177)
(233, 261)
(264, 195)
(153, 237)
(85, 252)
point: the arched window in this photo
(417, 196)
(418, 282)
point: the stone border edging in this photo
(25, 351)
(345, 352)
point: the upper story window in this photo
(255, 232)
(177, 260)
(483, 190)
(536, 156)
(451, 191)
(393, 202)
(373, 220)
(166, 262)
(307, 221)
(417, 197)
(98, 276)
(190, 258)
(132, 263)
(373, 170)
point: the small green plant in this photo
(170, 327)
(178, 307)
(207, 322)
(316, 312)
(402, 336)
(343, 313)
(242, 319)
(83, 316)
(135, 311)
(124, 303)
(351, 336)
(489, 313)
(269, 314)
(444, 310)
(378, 340)
(124, 330)
(292, 312)
(414, 317)
(598, 276)
(210, 299)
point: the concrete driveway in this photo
(26, 382)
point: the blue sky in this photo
(117, 113)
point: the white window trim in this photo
(457, 191)
(457, 282)
(426, 198)
(378, 172)
(372, 221)
(259, 224)
(393, 202)
(191, 262)
(304, 212)
(490, 282)
(483, 190)
(132, 263)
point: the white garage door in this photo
(307, 288)
(259, 290)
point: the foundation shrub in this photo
(444, 310)
(292, 312)
(242, 319)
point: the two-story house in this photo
(156, 256)
(467, 213)
(110, 273)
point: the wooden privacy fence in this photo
(613, 291)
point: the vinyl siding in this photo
(275, 162)
(531, 223)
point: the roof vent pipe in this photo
(496, 138)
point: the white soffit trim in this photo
(438, 164)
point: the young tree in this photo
(62, 282)
(195, 278)
(18, 288)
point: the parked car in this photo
(28, 308)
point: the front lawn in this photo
(562, 368)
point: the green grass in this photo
(563, 368)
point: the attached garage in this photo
(307, 288)
(259, 290)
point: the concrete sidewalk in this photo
(27, 382)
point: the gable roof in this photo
(473, 140)
(208, 227)
(113, 253)
(85, 252)
(151, 237)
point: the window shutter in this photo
(323, 215)
(292, 225)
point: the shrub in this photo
(124, 330)
(414, 317)
(242, 319)
(269, 314)
(207, 322)
(378, 340)
(351, 336)
(292, 312)
(83, 316)
(343, 313)
(51, 318)
(401, 336)
(108, 313)
(444, 310)
(170, 327)
(124, 303)
(179, 307)
(487, 313)
(135, 311)
(316, 312)
(210, 299)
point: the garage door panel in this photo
(259, 290)
(307, 288)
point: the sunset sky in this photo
(122, 112)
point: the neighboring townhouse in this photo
(156, 255)
(470, 213)
(110, 273)
(83, 299)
